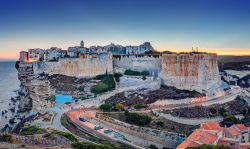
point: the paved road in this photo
(189, 121)
(89, 126)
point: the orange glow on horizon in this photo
(219, 51)
(14, 54)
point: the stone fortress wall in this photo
(151, 63)
(190, 71)
(185, 71)
(77, 67)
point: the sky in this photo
(221, 26)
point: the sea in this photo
(9, 83)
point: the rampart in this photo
(77, 67)
(151, 63)
(190, 71)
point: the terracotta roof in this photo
(232, 131)
(198, 137)
(241, 127)
(211, 126)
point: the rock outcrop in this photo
(37, 91)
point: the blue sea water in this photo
(8, 84)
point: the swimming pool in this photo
(61, 99)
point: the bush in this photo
(230, 120)
(213, 110)
(160, 124)
(152, 146)
(31, 130)
(136, 73)
(132, 73)
(144, 78)
(107, 83)
(67, 103)
(67, 135)
(137, 119)
(117, 76)
(140, 106)
(222, 111)
(6, 138)
(119, 106)
(106, 107)
(145, 73)
(81, 88)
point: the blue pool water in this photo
(61, 99)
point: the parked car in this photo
(118, 135)
(98, 127)
(83, 119)
(107, 131)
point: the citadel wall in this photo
(150, 63)
(190, 71)
(77, 67)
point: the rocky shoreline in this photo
(12, 113)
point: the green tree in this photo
(213, 110)
(222, 111)
(106, 107)
(152, 146)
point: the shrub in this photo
(144, 78)
(119, 106)
(67, 103)
(145, 73)
(117, 76)
(107, 83)
(160, 124)
(152, 146)
(137, 119)
(222, 111)
(31, 130)
(81, 88)
(213, 110)
(6, 138)
(230, 120)
(132, 73)
(136, 73)
(106, 107)
(67, 135)
(140, 106)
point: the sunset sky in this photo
(221, 26)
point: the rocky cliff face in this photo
(37, 91)
(190, 71)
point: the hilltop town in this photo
(130, 95)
